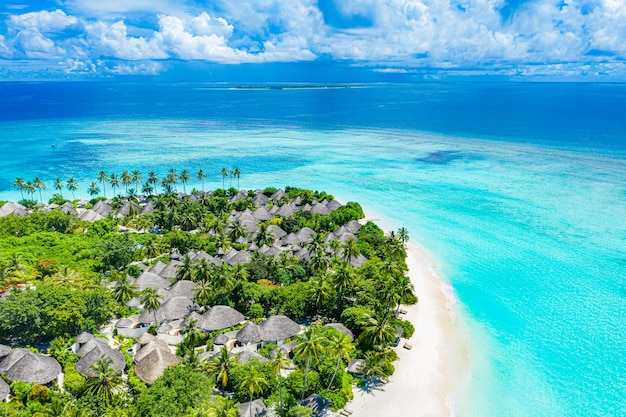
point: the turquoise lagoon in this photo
(518, 192)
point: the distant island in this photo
(286, 87)
(192, 304)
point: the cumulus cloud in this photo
(396, 34)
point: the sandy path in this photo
(430, 375)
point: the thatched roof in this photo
(148, 208)
(246, 356)
(333, 205)
(183, 288)
(316, 403)
(305, 234)
(279, 194)
(154, 364)
(290, 239)
(228, 255)
(68, 208)
(145, 338)
(220, 317)
(354, 366)
(203, 255)
(170, 270)
(285, 211)
(165, 328)
(320, 209)
(258, 409)
(90, 216)
(251, 333)
(195, 317)
(157, 267)
(5, 390)
(133, 302)
(352, 226)
(241, 257)
(278, 328)
(173, 309)
(276, 231)
(358, 261)
(220, 340)
(343, 329)
(84, 337)
(12, 208)
(124, 323)
(4, 350)
(260, 199)
(126, 209)
(155, 344)
(262, 214)
(100, 350)
(103, 208)
(150, 280)
(24, 365)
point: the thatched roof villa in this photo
(24, 365)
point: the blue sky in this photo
(370, 39)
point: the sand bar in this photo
(429, 377)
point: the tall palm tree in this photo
(343, 278)
(378, 333)
(350, 250)
(186, 269)
(280, 362)
(321, 290)
(224, 173)
(403, 234)
(204, 291)
(172, 177)
(147, 188)
(125, 290)
(126, 179)
(136, 177)
(203, 271)
(30, 189)
(309, 346)
(342, 347)
(103, 178)
(237, 174)
(223, 407)
(184, 177)
(220, 367)
(72, 185)
(237, 230)
(151, 301)
(93, 189)
(153, 178)
(58, 185)
(20, 184)
(39, 185)
(253, 381)
(102, 380)
(166, 184)
(115, 182)
(264, 236)
(201, 176)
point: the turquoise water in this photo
(530, 226)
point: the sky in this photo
(313, 39)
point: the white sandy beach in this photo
(429, 377)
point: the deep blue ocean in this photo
(519, 190)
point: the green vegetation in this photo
(63, 264)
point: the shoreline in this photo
(430, 378)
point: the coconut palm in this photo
(223, 407)
(186, 269)
(378, 333)
(93, 189)
(350, 250)
(280, 362)
(30, 189)
(153, 178)
(224, 173)
(309, 346)
(204, 292)
(403, 235)
(184, 177)
(237, 230)
(321, 290)
(124, 290)
(172, 177)
(136, 177)
(201, 176)
(264, 236)
(20, 184)
(58, 185)
(253, 381)
(237, 174)
(147, 188)
(39, 185)
(72, 185)
(103, 178)
(166, 185)
(151, 301)
(102, 380)
(126, 179)
(115, 182)
(343, 278)
(220, 366)
(342, 347)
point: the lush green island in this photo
(220, 303)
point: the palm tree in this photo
(115, 182)
(184, 177)
(30, 189)
(136, 177)
(58, 185)
(153, 178)
(93, 189)
(237, 230)
(237, 174)
(264, 236)
(40, 185)
(223, 407)
(280, 362)
(126, 179)
(204, 291)
(20, 184)
(203, 271)
(125, 290)
(403, 234)
(253, 381)
(151, 301)
(221, 366)
(344, 277)
(350, 250)
(166, 185)
(103, 178)
(147, 188)
(102, 380)
(186, 269)
(378, 333)
(309, 346)
(72, 185)
(224, 173)
(201, 176)
(172, 177)
(320, 290)
(342, 347)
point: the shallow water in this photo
(519, 190)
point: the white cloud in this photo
(43, 21)
(37, 46)
(5, 52)
(113, 41)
